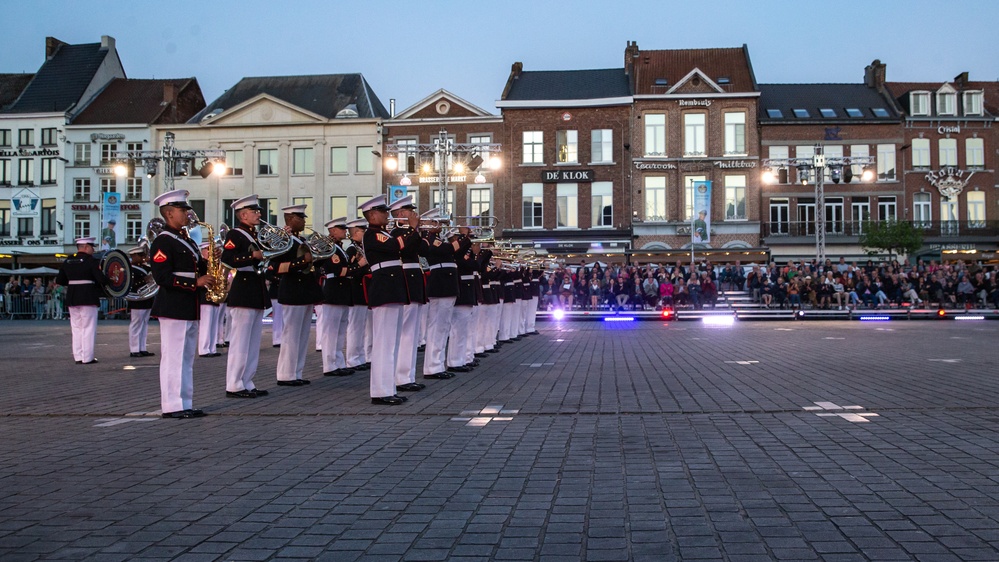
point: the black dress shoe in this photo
(421, 348)
(535, 333)
(136, 354)
(403, 398)
(225, 344)
(460, 369)
(442, 375)
(260, 392)
(146, 353)
(338, 373)
(276, 345)
(181, 415)
(410, 387)
(474, 363)
(483, 354)
(387, 401)
(79, 362)
(206, 355)
(305, 381)
(196, 413)
(291, 383)
(241, 394)
(493, 350)
(91, 362)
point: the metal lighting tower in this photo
(840, 168)
(176, 162)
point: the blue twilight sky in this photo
(409, 49)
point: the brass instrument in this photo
(218, 291)
(425, 224)
(321, 246)
(149, 288)
(273, 242)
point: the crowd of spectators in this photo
(24, 297)
(794, 285)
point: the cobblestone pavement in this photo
(644, 441)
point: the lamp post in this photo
(840, 168)
(176, 162)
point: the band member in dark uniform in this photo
(82, 274)
(442, 291)
(457, 357)
(298, 293)
(139, 310)
(179, 270)
(336, 302)
(484, 321)
(387, 294)
(405, 369)
(247, 299)
(359, 315)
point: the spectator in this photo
(594, 290)
(38, 298)
(650, 290)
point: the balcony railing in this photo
(931, 229)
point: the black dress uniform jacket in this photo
(509, 294)
(139, 274)
(299, 285)
(416, 283)
(356, 273)
(386, 284)
(443, 281)
(82, 267)
(249, 289)
(466, 287)
(174, 252)
(336, 289)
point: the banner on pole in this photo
(700, 231)
(109, 220)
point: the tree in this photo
(895, 237)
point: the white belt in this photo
(494, 282)
(467, 278)
(390, 263)
(518, 281)
(440, 265)
(247, 268)
(510, 284)
(331, 275)
(411, 266)
(81, 282)
(190, 274)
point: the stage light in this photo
(868, 175)
(718, 320)
(558, 314)
(768, 176)
(836, 174)
(391, 164)
(941, 313)
(966, 317)
(619, 319)
(875, 318)
(150, 166)
(474, 163)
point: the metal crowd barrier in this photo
(24, 307)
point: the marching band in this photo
(405, 282)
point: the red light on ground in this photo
(941, 313)
(667, 313)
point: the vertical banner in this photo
(109, 221)
(700, 232)
(397, 192)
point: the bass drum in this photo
(118, 269)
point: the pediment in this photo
(947, 89)
(696, 82)
(442, 104)
(264, 109)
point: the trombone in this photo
(425, 224)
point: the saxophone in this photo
(217, 292)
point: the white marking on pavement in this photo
(479, 418)
(946, 360)
(784, 329)
(536, 365)
(118, 421)
(743, 362)
(831, 338)
(860, 417)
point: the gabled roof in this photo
(900, 91)
(816, 97)
(323, 94)
(550, 85)
(655, 72)
(11, 86)
(469, 109)
(61, 80)
(143, 101)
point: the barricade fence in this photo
(14, 307)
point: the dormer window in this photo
(919, 103)
(801, 113)
(775, 114)
(946, 103)
(827, 113)
(879, 112)
(854, 112)
(722, 80)
(972, 103)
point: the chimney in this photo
(516, 69)
(107, 43)
(51, 46)
(875, 75)
(169, 93)
(392, 108)
(630, 54)
(962, 80)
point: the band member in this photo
(405, 368)
(442, 291)
(139, 311)
(208, 323)
(508, 314)
(298, 293)
(247, 300)
(336, 303)
(535, 295)
(387, 294)
(457, 359)
(82, 274)
(277, 324)
(179, 270)
(483, 341)
(359, 315)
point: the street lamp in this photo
(841, 168)
(176, 162)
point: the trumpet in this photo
(425, 224)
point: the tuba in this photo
(217, 292)
(149, 288)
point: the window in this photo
(309, 214)
(920, 153)
(357, 204)
(879, 112)
(887, 210)
(779, 152)
(860, 211)
(976, 209)
(81, 151)
(533, 205)
(25, 227)
(946, 103)
(26, 172)
(919, 103)
(408, 155)
(973, 103)
(655, 198)
(858, 151)
(414, 192)
(48, 171)
(49, 136)
(4, 137)
(567, 205)
(133, 227)
(693, 134)
(26, 137)
(922, 214)
(107, 152)
(338, 160)
(688, 196)
(806, 216)
(228, 215)
(435, 199)
(303, 161)
(655, 134)
(534, 147)
(779, 217)
(270, 210)
(81, 226)
(602, 204)
(267, 161)
(4, 171)
(198, 205)
(854, 112)
(81, 189)
(480, 202)
(827, 112)
(233, 163)
(5, 218)
(602, 145)
(568, 146)
(948, 216)
(775, 114)
(735, 133)
(735, 197)
(886, 162)
(834, 215)
(133, 146)
(801, 113)
(974, 153)
(948, 152)
(365, 160)
(48, 217)
(133, 189)
(110, 185)
(338, 206)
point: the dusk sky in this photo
(408, 50)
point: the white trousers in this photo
(83, 322)
(244, 348)
(320, 327)
(294, 341)
(405, 362)
(178, 344)
(368, 334)
(525, 309)
(480, 321)
(532, 315)
(507, 319)
(333, 334)
(458, 337)
(495, 315)
(357, 327)
(439, 311)
(225, 323)
(138, 329)
(386, 323)
(277, 325)
(208, 329)
(424, 315)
